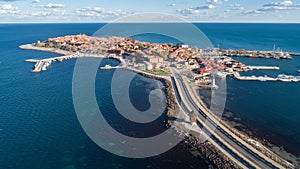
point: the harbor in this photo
(294, 54)
(43, 64)
(281, 78)
(263, 67)
(276, 53)
(142, 57)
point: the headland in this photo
(227, 148)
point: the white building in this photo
(141, 66)
(155, 59)
(185, 46)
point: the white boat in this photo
(283, 76)
(106, 67)
(286, 80)
(262, 79)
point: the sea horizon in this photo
(111, 22)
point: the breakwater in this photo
(41, 65)
(279, 54)
(281, 78)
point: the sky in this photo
(109, 10)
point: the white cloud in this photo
(195, 10)
(8, 9)
(36, 1)
(52, 12)
(279, 4)
(213, 1)
(252, 12)
(211, 6)
(219, 2)
(287, 2)
(12, 11)
(236, 7)
(51, 5)
(100, 12)
(8, 0)
(285, 5)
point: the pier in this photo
(256, 78)
(294, 54)
(277, 54)
(264, 67)
(282, 78)
(41, 65)
(108, 67)
(32, 60)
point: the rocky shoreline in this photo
(245, 132)
(52, 50)
(211, 153)
(273, 151)
(206, 150)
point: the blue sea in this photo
(38, 123)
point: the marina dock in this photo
(257, 78)
(108, 67)
(276, 53)
(282, 78)
(41, 65)
(264, 67)
(294, 54)
(32, 60)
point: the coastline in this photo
(237, 126)
(254, 145)
(205, 149)
(247, 132)
(52, 50)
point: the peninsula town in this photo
(228, 148)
